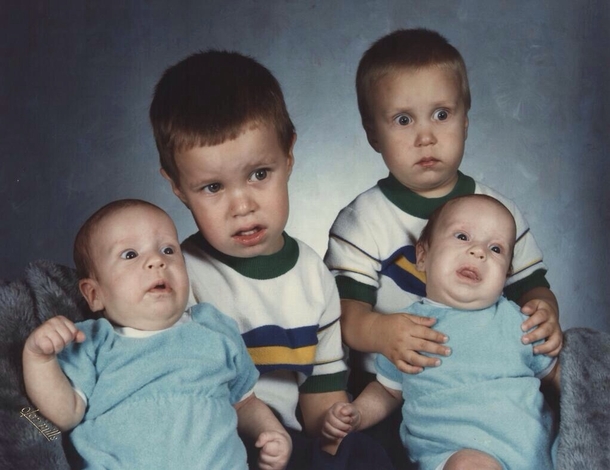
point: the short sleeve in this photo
(353, 257)
(78, 360)
(387, 373)
(541, 364)
(245, 374)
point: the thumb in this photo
(263, 438)
(79, 337)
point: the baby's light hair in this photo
(407, 49)
(210, 97)
(83, 259)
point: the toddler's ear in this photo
(420, 256)
(175, 188)
(371, 136)
(290, 156)
(90, 290)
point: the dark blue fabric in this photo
(357, 451)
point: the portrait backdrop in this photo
(76, 80)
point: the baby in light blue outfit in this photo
(482, 408)
(149, 385)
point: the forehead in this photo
(440, 78)
(409, 89)
(479, 212)
(254, 144)
(131, 223)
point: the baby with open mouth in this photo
(481, 407)
(149, 368)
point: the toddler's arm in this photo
(45, 383)
(399, 336)
(256, 421)
(541, 305)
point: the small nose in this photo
(155, 261)
(477, 252)
(425, 135)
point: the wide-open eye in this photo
(259, 174)
(441, 115)
(496, 249)
(129, 254)
(167, 250)
(461, 236)
(212, 188)
(402, 120)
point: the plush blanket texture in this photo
(49, 289)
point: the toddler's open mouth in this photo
(250, 236)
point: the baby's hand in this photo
(403, 336)
(544, 318)
(275, 448)
(53, 336)
(340, 420)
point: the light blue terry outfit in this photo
(484, 396)
(164, 401)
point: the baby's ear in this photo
(90, 290)
(420, 256)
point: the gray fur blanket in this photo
(30, 442)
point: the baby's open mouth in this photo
(469, 273)
(160, 286)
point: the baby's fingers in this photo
(53, 336)
(335, 429)
(275, 450)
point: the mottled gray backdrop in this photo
(76, 79)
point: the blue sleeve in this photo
(539, 363)
(246, 375)
(387, 369)
(78, 359)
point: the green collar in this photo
(259, 267)
(419, 206)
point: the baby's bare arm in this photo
(256, 421)
(45, 383)
(375, 403)
(400, 336)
